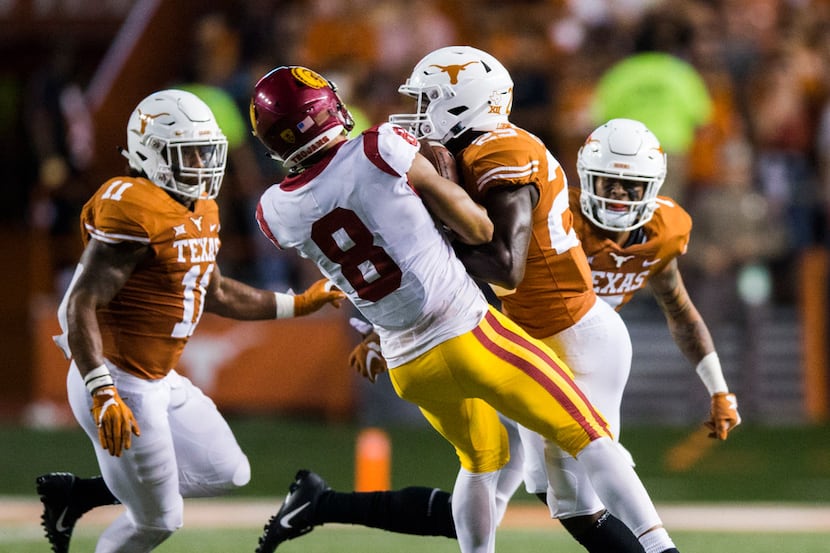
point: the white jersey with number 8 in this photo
(360, 221)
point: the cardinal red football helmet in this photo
(296, 113)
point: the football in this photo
(441, 158)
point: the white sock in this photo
(511, 475)
(618, 486)
(474, 511)
(656, 541)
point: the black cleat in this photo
(59, 515)
(295, 515)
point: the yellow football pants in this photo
(462, 384)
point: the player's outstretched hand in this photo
(115, 420)
(318, 294)
(724, 415)
(366, 357)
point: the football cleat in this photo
(59, 514)
(295, 516)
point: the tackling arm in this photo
(502, 260)
(231, 298)
(687, 327)
(102, 272)
(450, 203)
(692, 337)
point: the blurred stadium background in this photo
(749, 157)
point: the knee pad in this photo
(242, 474)
(225, 479)
(571, 493)
(144, 538)
(158, 535)
(168, 520)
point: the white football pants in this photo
(186, 449)
(598, 351)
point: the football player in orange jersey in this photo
(543, 279)
(147, 273)
(633, 237)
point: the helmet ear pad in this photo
(296, 113)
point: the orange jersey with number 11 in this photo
(147, 324)
(556, 291)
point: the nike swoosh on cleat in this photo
(59, 523)
(285, 521)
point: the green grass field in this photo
(771, 465)
(354, 540)
(786, 464)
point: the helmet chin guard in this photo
(622, 149)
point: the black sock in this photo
(91, 492)
(414, 510)
(607, 535)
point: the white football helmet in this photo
(623, 149)
(173, 138)
(457, 88)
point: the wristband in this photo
(98, 378)
(285, 305)
(711, 374)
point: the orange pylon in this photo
(373, 461)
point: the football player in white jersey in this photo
(377, 219)
(632, 236)
(464, 98)
(147, 273)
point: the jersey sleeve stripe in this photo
(114, 238)
(509, 172)
(372, 151)
(263, 226)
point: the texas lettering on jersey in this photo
(556, 290)
(147, 324)
(618, 272)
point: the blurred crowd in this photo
(738, 91)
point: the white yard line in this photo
(746, 517)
